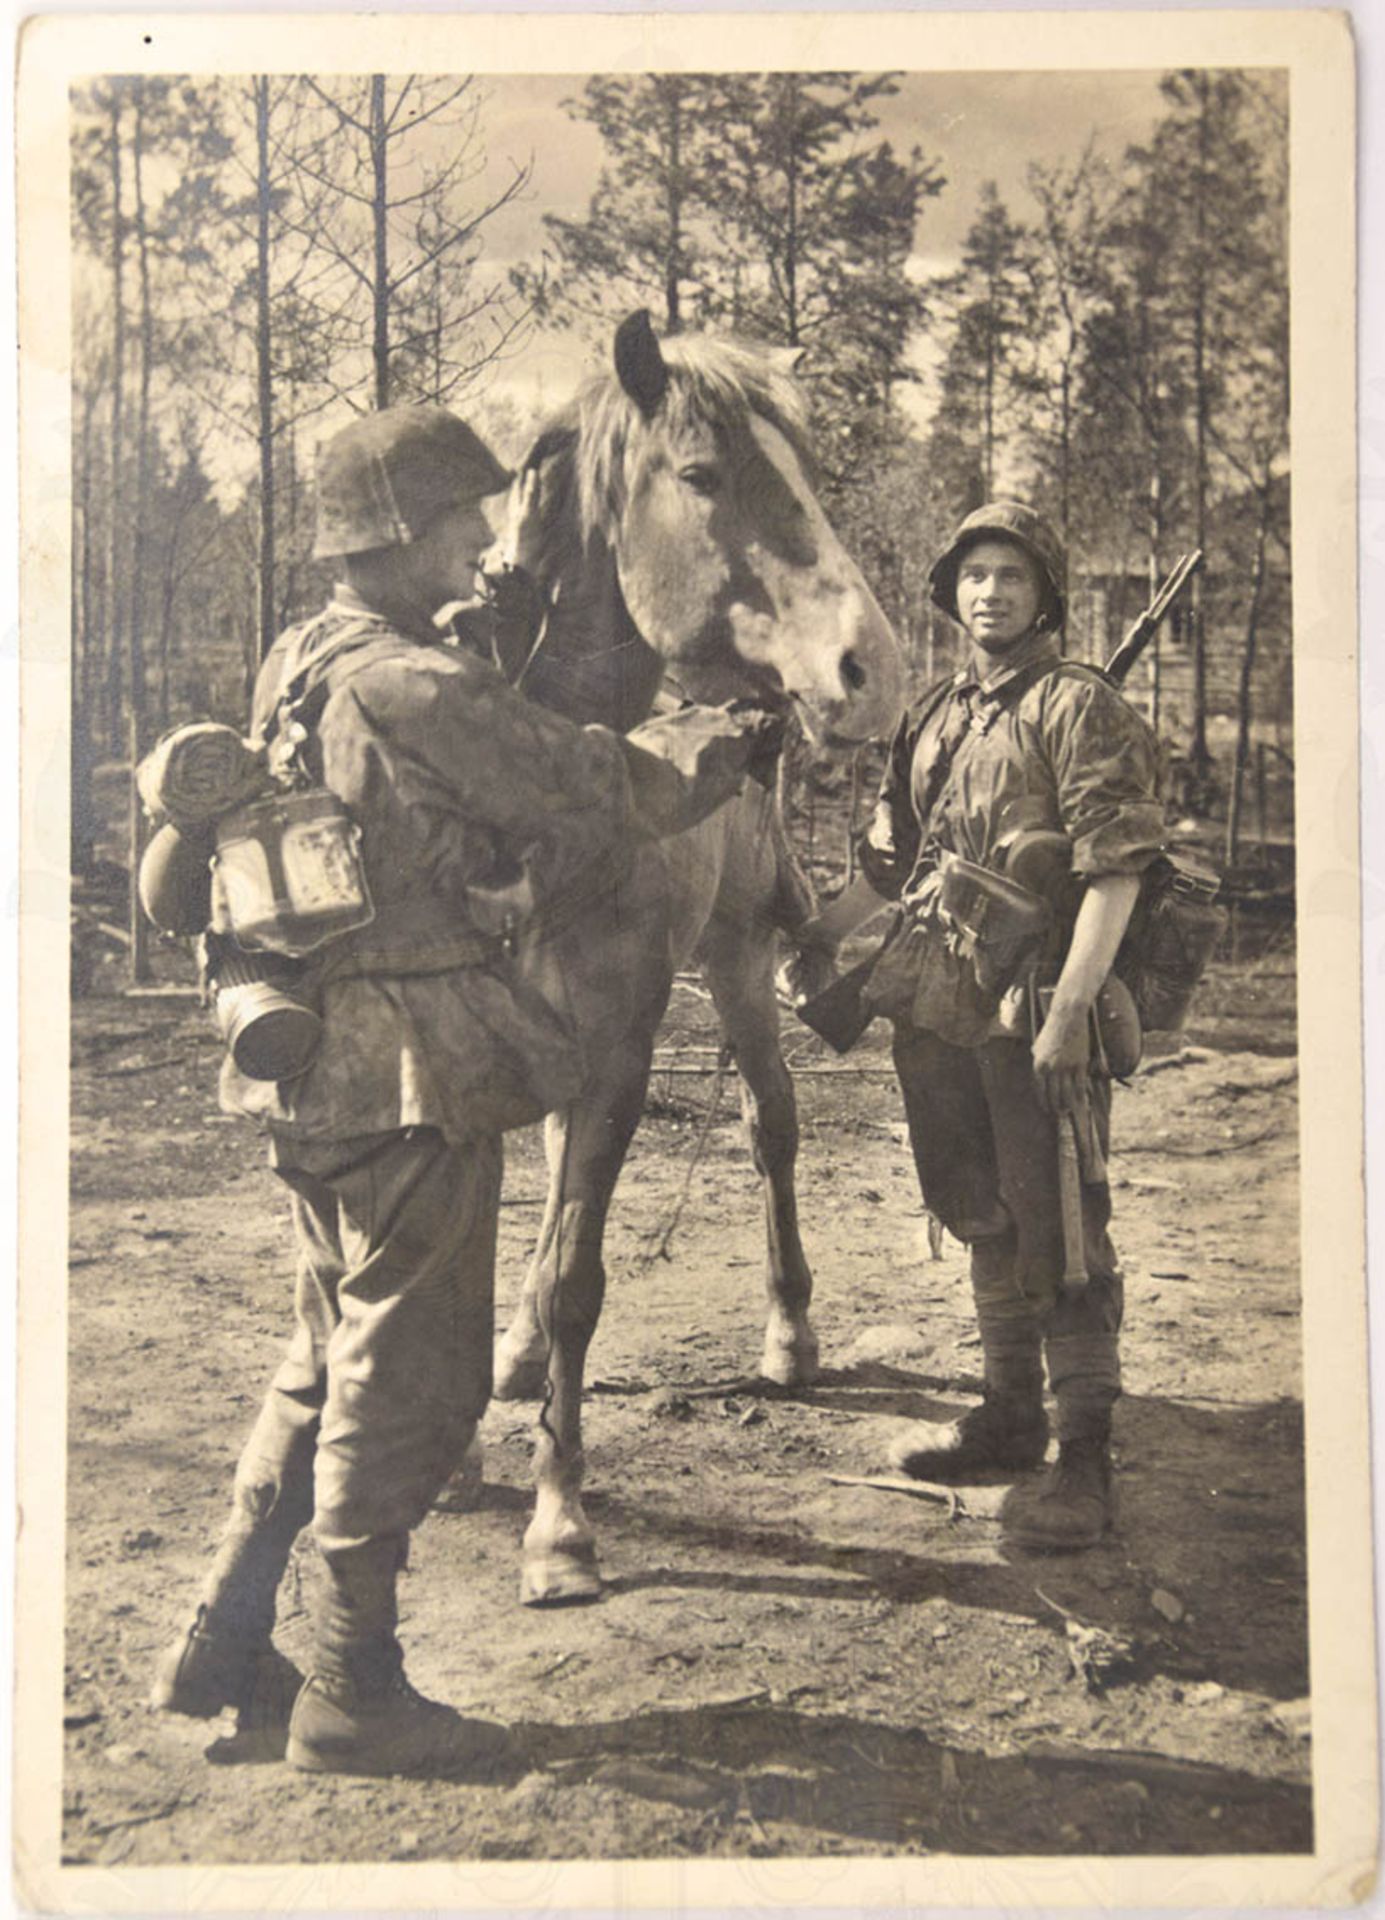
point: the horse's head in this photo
(690, 466)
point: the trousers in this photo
(986, 1152)
(389, 1365)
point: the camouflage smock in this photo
(1041, 742)
(450, 775)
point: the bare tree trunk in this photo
(673, 319)
(791, 224)
(264, 366)
(1243, 695)
(288, 472)
(379, 160)
(115, 636)
(85, 651)
(139, 926)
(1262, 811)
(1198, 751)
(1156, 541)
(988, 417)
(437, 331)
(1065, 455)
(165, 648)
(168, 595)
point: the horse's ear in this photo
(639, 364)
(787, 359)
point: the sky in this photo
(978, 126)
(975, 126)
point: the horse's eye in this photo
(700, 477)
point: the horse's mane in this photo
(717, 383)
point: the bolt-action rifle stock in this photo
(842, 1012)
(1147, 624)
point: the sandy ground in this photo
(781, 1664)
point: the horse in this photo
(682, 545)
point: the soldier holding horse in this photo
(692, 540)
(431, 1047)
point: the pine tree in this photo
(1206, 193)
(1063, 267)
(647, 236)
(818, 225)
(988, 307)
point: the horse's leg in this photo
(521, 1354)
(588, 1144)
(739, 970)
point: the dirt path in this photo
(781, 1665)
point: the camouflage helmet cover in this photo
(1004, 520)
(382, 481)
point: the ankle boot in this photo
(358, 1712)
(1071, 1508)
(1007, 1433)
(206, 1670)
(225, 1656)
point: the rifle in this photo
(841, 1013)
(1144, 628)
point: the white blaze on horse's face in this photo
(731, 571)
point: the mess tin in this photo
(291, 873)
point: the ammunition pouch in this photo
(968, 936)
(991, 921)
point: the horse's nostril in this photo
(853, 673)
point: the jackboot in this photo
(358, 1712)
(1072, 1507)
(225, 1656)
(1007, 1433)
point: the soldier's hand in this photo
(1060, 1061)
(763, 733)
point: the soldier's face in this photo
(999, 594)
(449, 550)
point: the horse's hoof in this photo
(790, 1364)
(560, 1578)
(519, 1380)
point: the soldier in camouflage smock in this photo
(1019, 745)
(390, 1141)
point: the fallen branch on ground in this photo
(1208, 1152)
(977, 1503)
(138, 1819)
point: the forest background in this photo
(1097, 322)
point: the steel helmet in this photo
(1004, 520)
(382, 481)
